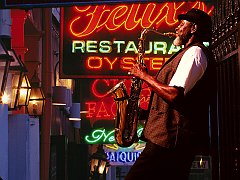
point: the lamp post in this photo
(99, 164)
(5, 60)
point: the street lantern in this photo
(14, 80)
(5, 60)
(37, 99)
(99, 164)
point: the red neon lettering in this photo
(170, 15)
(131, 21)
(166, 59)
(127, 63)
(111, 62)
(107, 110)
(156, 63)
(95, 90)
(83, 9)
(91, 108)
(94, 62)
(148, 13)
(197, 5)
(102, 112)
(116, 15)
(129, 16)
(94, 22)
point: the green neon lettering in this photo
(100, 135)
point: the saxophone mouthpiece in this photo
(170, 34)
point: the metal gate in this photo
(226, 52)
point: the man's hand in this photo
(138, 71)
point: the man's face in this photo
(183, 33)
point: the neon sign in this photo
(106, 47)
(121, 158)
(101, 41)
(129, 17)
(99, 136)
(123, 155)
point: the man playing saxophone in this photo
(177, 127)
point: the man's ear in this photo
(194, 28)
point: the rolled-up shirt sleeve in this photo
(190, 69)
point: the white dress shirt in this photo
(190, 69)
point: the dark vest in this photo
(186, 123)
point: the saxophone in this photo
(126, 121)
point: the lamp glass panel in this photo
(5, 61)
(13, 83)
(1, 76)
(94, 164)
(16, 60)
(35, 107)
(2, 50)
(36, 102)
(101, 166)
(3, 65)
(36, 93)
(24, 93)
(12, 88)
(106, 169)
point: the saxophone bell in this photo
(125, 135)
